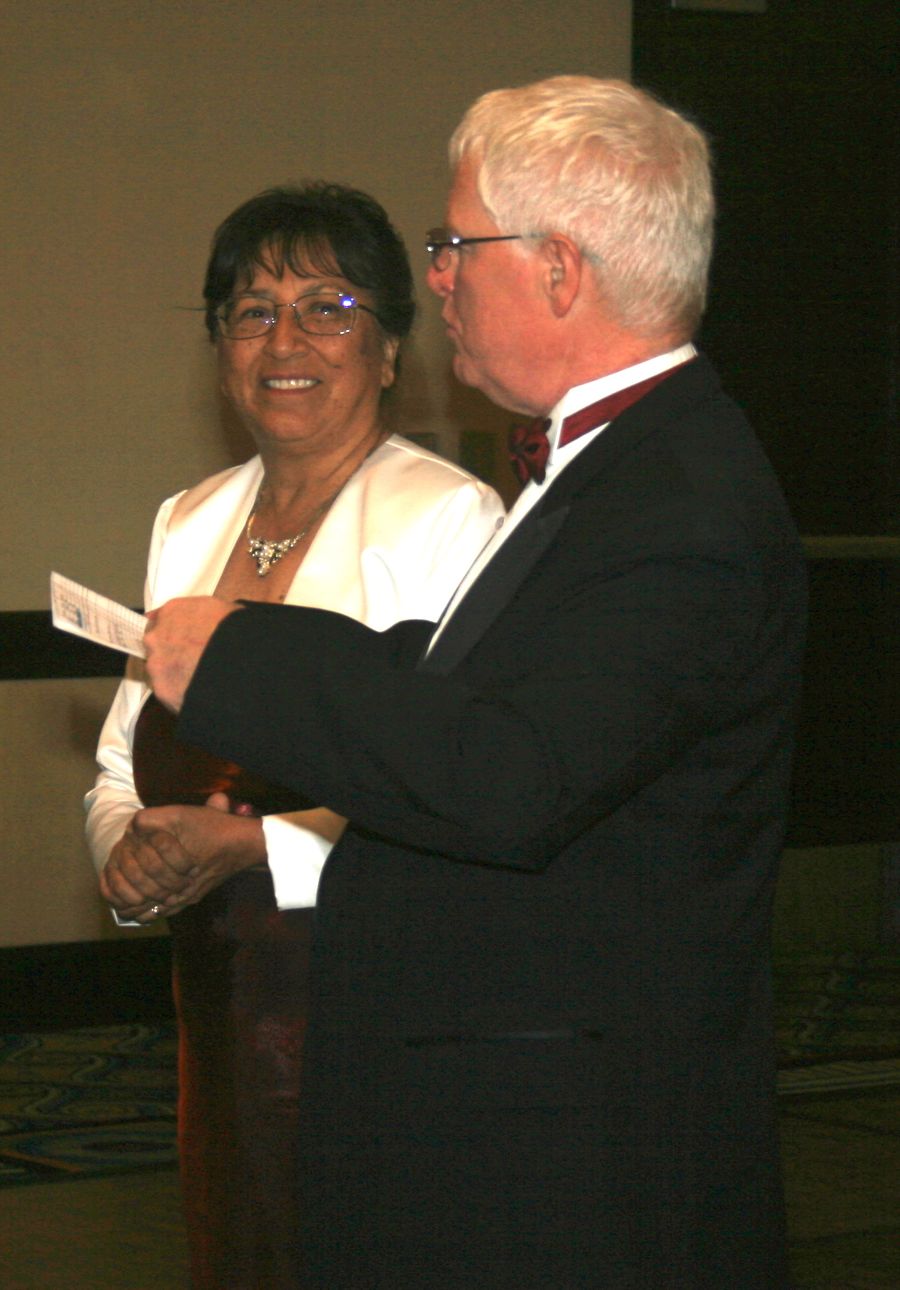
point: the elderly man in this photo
(540, 1050)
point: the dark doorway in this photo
(800, 104)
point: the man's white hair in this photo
(622, 175)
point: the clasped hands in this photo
(172, 856)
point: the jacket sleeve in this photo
(113, 800)
(619, 673)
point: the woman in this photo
(308, 295)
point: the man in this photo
(540, 1049)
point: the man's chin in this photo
(466, 372)
(459, 367)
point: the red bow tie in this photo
(529, 446)
(529, 449)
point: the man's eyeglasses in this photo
(440, 244)
(321, 313)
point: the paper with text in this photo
(84, 613)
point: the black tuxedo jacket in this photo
(566, 824)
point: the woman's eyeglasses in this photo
(320, 313)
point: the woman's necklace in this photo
(267, 553)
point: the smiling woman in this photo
(291, 272)
(308, 297)
(305, 372)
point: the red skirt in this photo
(240, 979)
(240, 976)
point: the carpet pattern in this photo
(78, 1103)
(837, 1008)
(82, 1103)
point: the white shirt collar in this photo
(580, 396)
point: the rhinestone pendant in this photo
(268, 553)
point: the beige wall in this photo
(129, 130)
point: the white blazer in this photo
(394, 545)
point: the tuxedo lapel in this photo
(668, 401)
(493, 588)
(502, 577)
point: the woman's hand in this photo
(171, 856)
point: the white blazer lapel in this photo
(205, 524)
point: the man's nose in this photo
(440, 281)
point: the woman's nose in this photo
(286, 335)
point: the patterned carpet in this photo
(78, 1103)
(845, 1005)
(837, 1023)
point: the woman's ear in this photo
(390, 346)
(563, 267)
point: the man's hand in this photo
(172, 856)
(177, 635)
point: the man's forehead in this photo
(465, 208)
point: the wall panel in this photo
(128, 131)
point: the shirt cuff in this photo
(124, 922)
(295, 858)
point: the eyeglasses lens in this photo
(439, 245)
(321, 313)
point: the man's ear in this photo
(563, 267)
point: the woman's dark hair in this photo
(319, 226)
